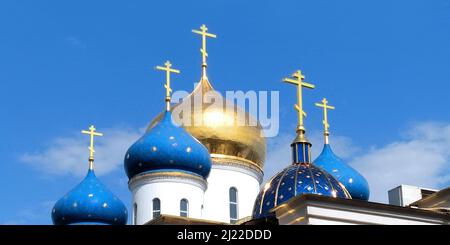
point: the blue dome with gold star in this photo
(354, 182)
(295, 180)
(90, 202)
(167, 147)
(301, 177)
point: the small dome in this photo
(166, 146)
(353, 181)
(295, 180)
(90, 202)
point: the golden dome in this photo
(219, 131)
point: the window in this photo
(233, 205)
(135, 214)
(156, 207)
(184, 208)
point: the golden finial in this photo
(298, 80)
(204, 34)
(92, 133)
(168, 69)
(326, 126)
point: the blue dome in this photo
(353, 181)
(90, 202)
(295, 180)
(167, 147)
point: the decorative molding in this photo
(233, 164)
(174, 177)
(237, 160)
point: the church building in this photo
(210, 171)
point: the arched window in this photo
(184, 208)
(233, 205)
(156, 207)
(135, 214)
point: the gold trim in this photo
(301, 137)
(312, 178)
(165, 174)
(296, 160)
(296, 179)
(266, 188)
(349, 196)
(329, 181)
(239, 160)
(275, 201)
(183, 220)
(304, 153)
(309, 153)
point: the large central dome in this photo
(219, 130)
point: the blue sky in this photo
(67, 64)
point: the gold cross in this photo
(168, 70)
(92, 133)
(298, 80)
(325, 107)
(204, 34)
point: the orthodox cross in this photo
(203, 32)
(326, 126)
(167, 67)
(298, 80)
(91, 133)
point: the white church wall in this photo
(220, 180)
(329, 213)
(332, 215)
(170, 191)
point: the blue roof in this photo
(354, 182)
(167, 146)
(90, 202)
(295, 180)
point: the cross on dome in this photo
(203, 32)
(326, 125)
(167, 68)
(298, 79)
(92, 132)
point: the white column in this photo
(220, 180)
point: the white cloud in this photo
(419, 158)
(69, 155)
(279, 153)
(422, 158)
(343, 146)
